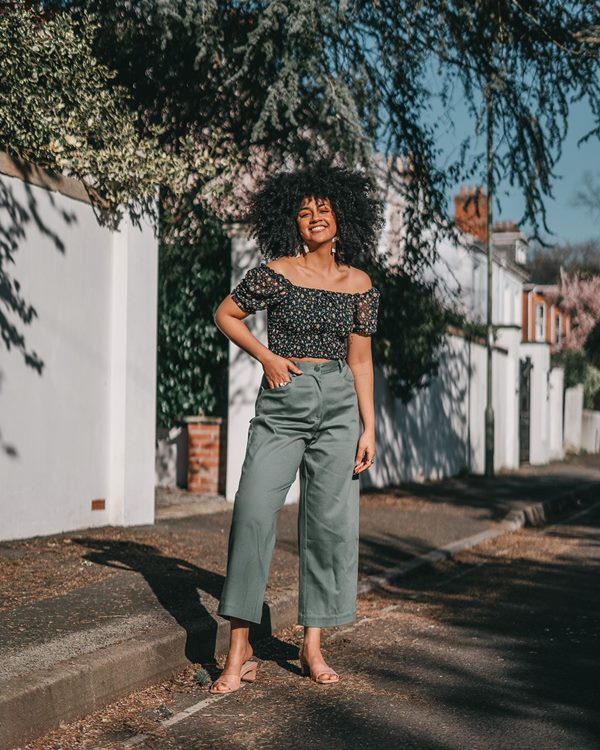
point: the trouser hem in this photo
(323, 621)
(232, 612)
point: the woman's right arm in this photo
(229, 319)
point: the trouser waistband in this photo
(330, 366)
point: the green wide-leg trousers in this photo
(312, 424)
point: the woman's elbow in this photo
(218, 316)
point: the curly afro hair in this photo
(358, 211)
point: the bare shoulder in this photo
(360, 281)
(279, 264)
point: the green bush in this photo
(592, 346)
(579, 370)
(411, 331)
(194, 276)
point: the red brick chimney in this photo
(471, 211)
(506, 226)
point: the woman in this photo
(317, 383)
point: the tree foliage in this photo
(61, 109)
(580, 296)
(578, 369)
(412, 326)
(283, 84)
(192, 352)
(534, 58)
(544, 264)
(298, 81)
(592, 346)
(588, 194)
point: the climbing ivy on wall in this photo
(194, 275)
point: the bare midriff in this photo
(309, 359)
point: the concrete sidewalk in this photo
(89, 616)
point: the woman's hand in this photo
(277, 369)
(365, 451)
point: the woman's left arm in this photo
(360, 361)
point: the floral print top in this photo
(305, 321)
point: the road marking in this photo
(186, 713)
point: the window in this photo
(540, 322)
(557, 329)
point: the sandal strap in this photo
(247, 666)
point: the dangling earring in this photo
(305, 247)
(333, 241)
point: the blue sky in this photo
(568, 222)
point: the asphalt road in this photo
(496, 649)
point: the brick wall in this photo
(207, 441)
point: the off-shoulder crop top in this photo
(305, 321)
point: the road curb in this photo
(31, 705)
(535, 514)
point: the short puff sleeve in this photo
(366, 308)
(259, 289)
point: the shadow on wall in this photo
(16, 312)
(428, 438)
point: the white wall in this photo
(438, 434)
(245, 374)
(83, 428)
(430, 437)
(573, 418)
(464, 269)
(539, 441)
(507, 411)
(442, 430)
(557, 386)
(590, 432)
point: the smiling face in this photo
(316, 221)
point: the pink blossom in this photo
(580, 296)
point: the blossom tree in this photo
(579, 294)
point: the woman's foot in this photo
(313, 663)
(237, 667)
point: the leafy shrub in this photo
(194, 276)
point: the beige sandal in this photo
(305, 669)
(233, 682)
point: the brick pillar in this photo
(207, 451)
